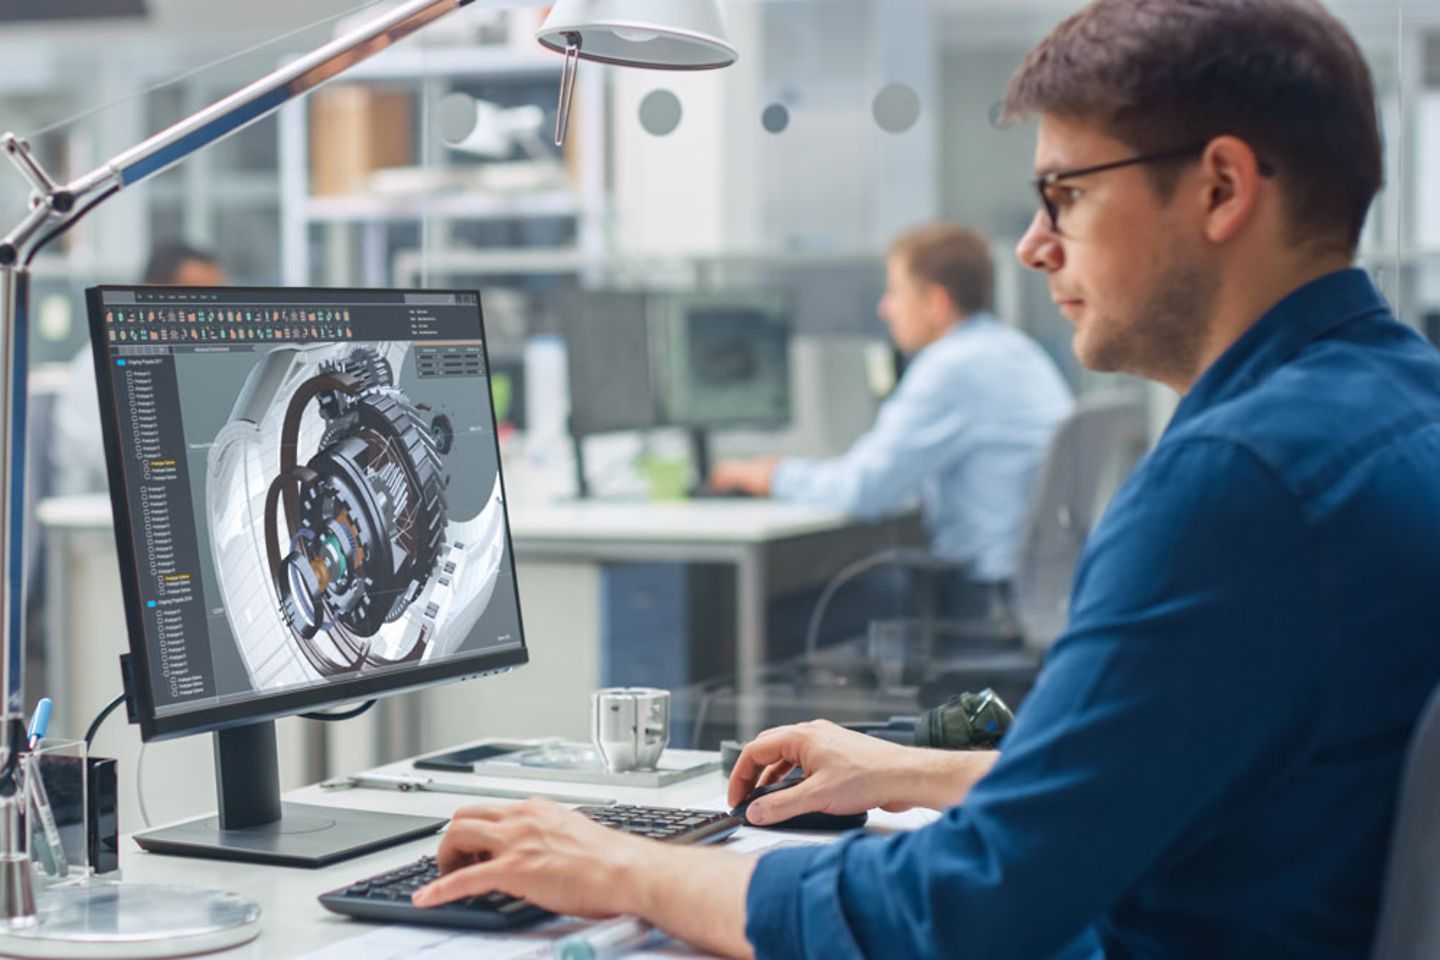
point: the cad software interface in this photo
(313, 485)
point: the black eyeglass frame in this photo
(1050, 179)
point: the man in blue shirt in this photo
(966, 429)
(1208, 764)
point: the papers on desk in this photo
(429, 943)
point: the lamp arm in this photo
(53, 210)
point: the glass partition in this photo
(781, 180)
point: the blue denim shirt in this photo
(963, 434)
(1208, 763)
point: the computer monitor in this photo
(697, 360)
(726, 360)
(309, 510)
(608, 350)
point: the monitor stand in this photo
(254, 825)
(700, 455)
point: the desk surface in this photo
(294, 924)
(702, 521)
(692, 521)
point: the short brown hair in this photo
(1283, 75)
(956, 258)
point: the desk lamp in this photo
(660, 34)
(137, 920)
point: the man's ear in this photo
(1231, 187)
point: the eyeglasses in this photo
(1052, 202)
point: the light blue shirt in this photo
(963, 435)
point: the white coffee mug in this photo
(630, 726)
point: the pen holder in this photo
(57, 814)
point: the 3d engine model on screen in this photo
(339, 543)
(364, 517)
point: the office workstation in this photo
(739, 478)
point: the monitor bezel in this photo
(271, 707)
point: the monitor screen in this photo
(308, 500)
(728, 361)
(640, 360)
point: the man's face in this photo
(907, 306)
(1127, 268)
(198, 273)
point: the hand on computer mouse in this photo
(846, 772)
(849, 772)
(812, 820)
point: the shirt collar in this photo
(1304, 315)
(974, 321)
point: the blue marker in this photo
(40, 721)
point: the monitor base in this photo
(304, 836)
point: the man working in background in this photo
(965, 431)
(76, 451)
(1208, 765)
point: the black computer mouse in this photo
(804, 821)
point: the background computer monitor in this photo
(695, 360)
(309, 510)
(725, 359)
(607, 354)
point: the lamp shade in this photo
(658, 34)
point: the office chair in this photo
(1409, 924)
(1002, 643)
(1089, 456)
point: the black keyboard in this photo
(386, 896)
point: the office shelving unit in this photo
(357, 228)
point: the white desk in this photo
(293, 923)
(685, 522)
(774, 548)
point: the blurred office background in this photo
(723, 232)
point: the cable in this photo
(350, 714)
(94, 727)
(701, 713)
(195, 71)
(140, 785)
(70, 221)
(911, 555)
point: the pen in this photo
(407, 783)
(609, 939)
(43, 829)
(40, 721)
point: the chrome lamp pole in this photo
(126, 919)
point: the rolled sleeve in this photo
(793, 907)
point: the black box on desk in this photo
(100, 841)
(102, 799)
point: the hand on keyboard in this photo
(501, 867)
(536, 849)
